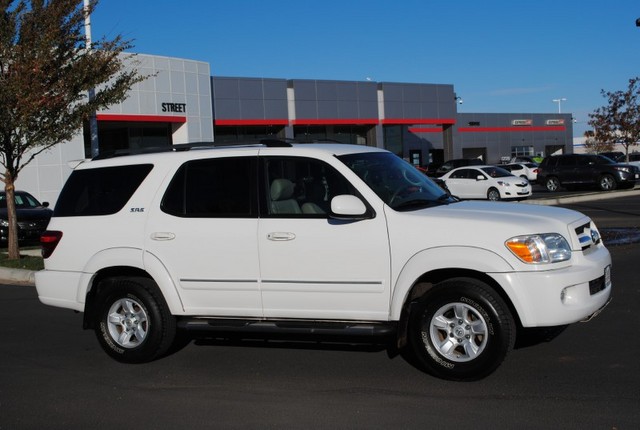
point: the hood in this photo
(483, 224)
(29, 214)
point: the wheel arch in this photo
(422, 273)
(117, 263)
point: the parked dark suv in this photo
(571, 170)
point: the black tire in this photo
(552, 184)
(493, 194)
(132, 321)
(607, 182)
(461, 330)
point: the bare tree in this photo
(619, 120)
(46, 72)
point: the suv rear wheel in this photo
(461, 330)
(552, 184)
(133, 323)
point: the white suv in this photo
(316, 239)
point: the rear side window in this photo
(463, 174)
(102, 191)
(567, 161)
(213, 188)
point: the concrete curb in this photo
(586, 197)
(17, 276)
(27, 277)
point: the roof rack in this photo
(269, 143)
(179, 147)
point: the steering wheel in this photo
(399, 192)
(409, 176)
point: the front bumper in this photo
(562, 296)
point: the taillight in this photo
(48, 241)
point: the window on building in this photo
(393, 139)
(116, 136)
(247, 133)
(522, 151)
(351, 134)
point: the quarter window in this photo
(102, 191)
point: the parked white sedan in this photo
(486, 182)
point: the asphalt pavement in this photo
(27, 277)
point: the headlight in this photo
(504, 184)
(624, 169)
(4, 223)
(540, 248)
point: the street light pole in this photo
(559, 101)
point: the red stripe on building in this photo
(336, 121)
(140, 118)
(251, 121)
(508, 129)
(425, 129)
(415, 121)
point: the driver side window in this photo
(301, 187)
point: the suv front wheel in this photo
(461, 330)
(133, 323)
(607, 182)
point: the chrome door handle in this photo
(162, 235)
(280, 236)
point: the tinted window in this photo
(463, 174)
(585, 161)
(549, 162)
(597, 159)
(102, 191)
(566, 161)
(212, 188)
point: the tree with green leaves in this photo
(46, 73)
(619, 120)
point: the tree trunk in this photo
(12, 242)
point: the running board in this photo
(289, 327)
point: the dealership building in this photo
(181, 102)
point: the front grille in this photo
(32, 225)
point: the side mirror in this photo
(45, 204)
(480, 178)
(346, 206)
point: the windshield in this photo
(496, 172)
(23, 201)
(398, 183)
